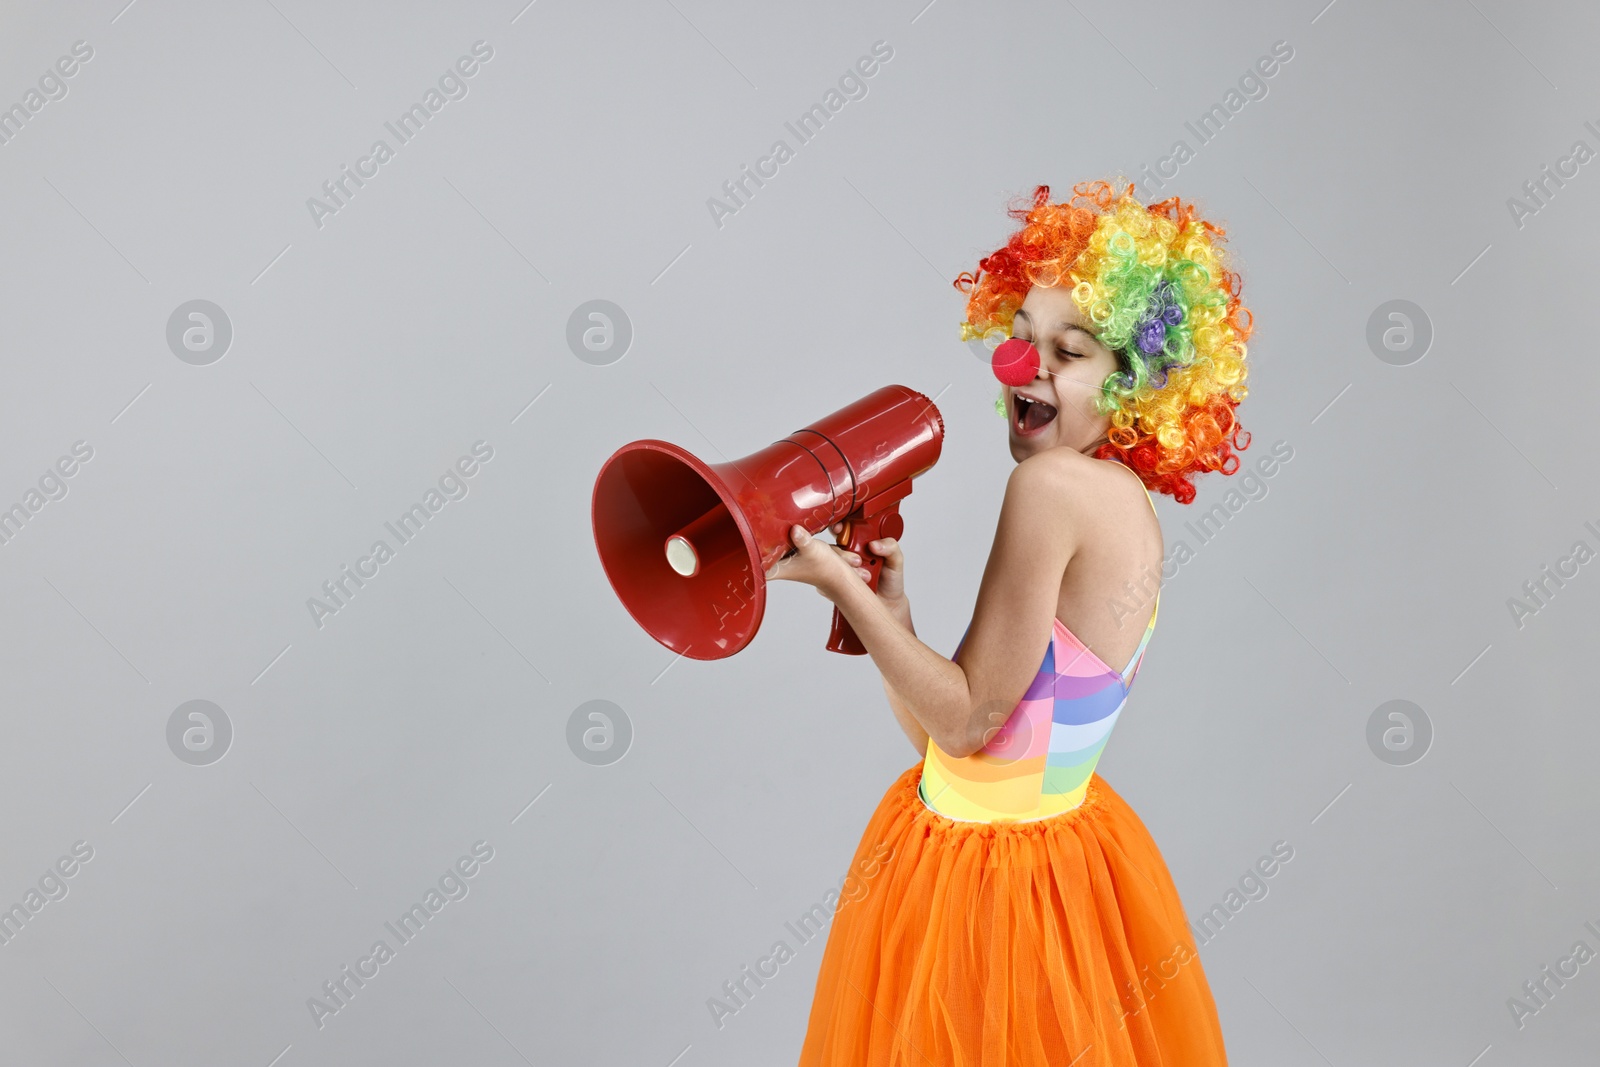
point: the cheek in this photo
(1077, 395)
(1093, 374)
(1079, 384)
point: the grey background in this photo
(369, 354)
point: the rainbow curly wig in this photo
(1154, 283)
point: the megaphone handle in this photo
(842, 638)
(859, 530)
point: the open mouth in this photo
(1029, 416)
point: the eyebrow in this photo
(1062, 325)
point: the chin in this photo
(1021, 450)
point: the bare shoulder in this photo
(1080, 486)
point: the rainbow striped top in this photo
(1039, 763)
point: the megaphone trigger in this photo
(877, 518)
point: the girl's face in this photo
(1057, 407)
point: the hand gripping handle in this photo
(865, 524)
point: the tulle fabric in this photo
(1060, 941)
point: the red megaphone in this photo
(686, 544)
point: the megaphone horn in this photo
(686, 544)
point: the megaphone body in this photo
(686, 544)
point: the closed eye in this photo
(1062, 352)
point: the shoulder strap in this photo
(1155, 610)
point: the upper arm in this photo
(1013, 620)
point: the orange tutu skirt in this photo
(1060, 941)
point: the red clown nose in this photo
(1016, 362)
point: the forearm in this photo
(901, 610)
(931, 688)
(908, 722)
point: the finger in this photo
(782, 566)
(889, 549)
(805, 544)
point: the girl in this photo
(1017, 911)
